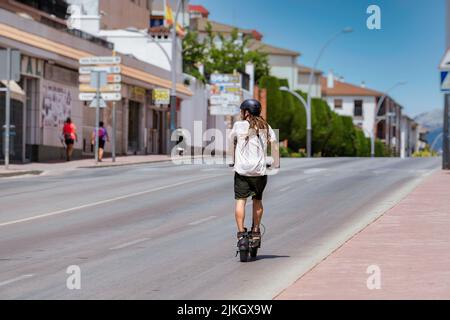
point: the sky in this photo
(408, 47)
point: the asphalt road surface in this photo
(167, 232)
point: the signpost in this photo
(445, 87)
(8, 71)
(225, 95)
(99, 82)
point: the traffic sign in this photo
(445, 80)
(105, 88)
(100, 60)
(110, 69)
(93, 104)
(105, 96)
(110, 78)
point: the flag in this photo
(169, 21)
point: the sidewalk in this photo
(60, 166)
(410, 244)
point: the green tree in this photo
(280, 106)
(194, 52)
(222, 54)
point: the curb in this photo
(133, 163)
(121, 164)
(21, 173)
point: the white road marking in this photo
(4, 283)
(201, 220)
(284, 189)
(128, 244)
(93, 204)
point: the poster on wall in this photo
(56, 105)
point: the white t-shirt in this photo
(250, 156)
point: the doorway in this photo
(133, 126)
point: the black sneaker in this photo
(255, 239)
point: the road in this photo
(167, 232)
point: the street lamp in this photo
(308, 112)
(311, 76)
(172, 62)
(377, 109)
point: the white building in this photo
(350, 100)
(283, 62)
(303, 81)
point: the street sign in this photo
(15, 65)
(88, 70)
(106, 88)
(218, 78)
(110, 78)
(100, 60)
(225, 99)
(224, 110)
(93, 104)
(445, 80)
(104, 96)
(161, 96)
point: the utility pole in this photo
(8, 106)
(97, 115)
(173, 90)
(446, 134)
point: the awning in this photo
(16, 91)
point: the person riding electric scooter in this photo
(251, 137)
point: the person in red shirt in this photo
(70, 136)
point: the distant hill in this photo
(433, 121)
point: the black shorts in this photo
(69, 142)
(101, 144)
(245, 187)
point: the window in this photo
(358, 110)
(337, 103)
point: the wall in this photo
(125, 13)
(302, 84)
(284, 67)
(195, 109)
(141, 47)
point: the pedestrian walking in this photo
(103, 137)
(70, 136)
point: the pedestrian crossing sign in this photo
(445, 80)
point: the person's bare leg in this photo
(258, 211)
(240, 214)
(100, 154)
(69, 151)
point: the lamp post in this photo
(311, 77)
(308, 113)
(377, 109)
(173, 74)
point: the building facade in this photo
(50, 84)
(360, 103)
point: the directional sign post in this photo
(100, 60)
(100, 82)
(9, 71)
(445, 88)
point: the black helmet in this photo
(253, 106)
